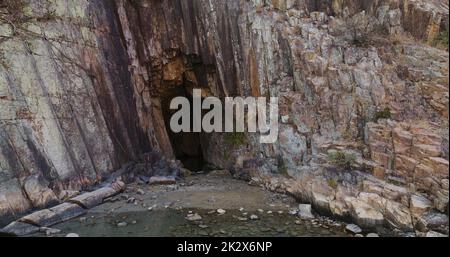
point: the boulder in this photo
(419, 205)
(435, 234)
(18, 228)
(432, 221)
(162, 180)
(321, 201)
(68, 211)
(13, 201)
(441, 199)
(43, 218)
(398, 216)
(55, 215)
(36, 188)
(118, 186)
(339, 208)
(304, 211)
(364, 214)
(91, 199)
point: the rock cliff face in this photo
(85, 88)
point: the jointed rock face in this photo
(85, 88)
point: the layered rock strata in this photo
(84, 89)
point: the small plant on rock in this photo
(383, 114)
(342, 160)
(235, 139)
(442, 40)
(332, 183)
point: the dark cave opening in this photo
(187, 146)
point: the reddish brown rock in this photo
(405, 165)
(402, 139)
(341, 83)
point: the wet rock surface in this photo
(189, 217)
(261, 213)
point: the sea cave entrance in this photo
(187, 146)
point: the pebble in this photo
(193, 217)
(260, 210)
(203, 226)
(221, 211)
(133, 222)
(72, 235)
(280, 212)
(372, 235)
(359, 235)
(293, 212)
(241, 209)
(254, 217)
(269, 212)
(83, 219)
(50, 231)
(122, 224)
(131, 200)
(140, 192)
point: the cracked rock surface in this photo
(84, 89)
